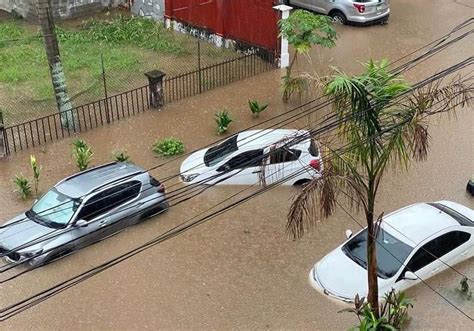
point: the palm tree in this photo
(384, 125)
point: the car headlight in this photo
(188, 178)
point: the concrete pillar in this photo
(284, 54)
(155, 84)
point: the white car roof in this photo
(415, 223)
(254, 139)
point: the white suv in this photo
(238, 160)
(349, 11)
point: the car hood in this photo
(194, 163)
(341, 277)
(21, 230)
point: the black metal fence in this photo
(88, 116)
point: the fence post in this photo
(155, 84)
(2, 134)
(107, 113)
(284, 55)
(199, 67)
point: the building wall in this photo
(61, 8)
(154, 9)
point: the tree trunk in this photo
(58, 78)
(287, 91)
(373, 295)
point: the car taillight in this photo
(360, 8)
(315, 164)
(161, 188)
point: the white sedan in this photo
(414, 244)
(248, 157)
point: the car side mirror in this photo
(81, 224)
(409, 276)
(224, 167)
(348, 234)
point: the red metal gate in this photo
(251, 21)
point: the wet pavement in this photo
(239, 270)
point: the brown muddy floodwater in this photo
(239, 271)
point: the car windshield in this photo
(391, 252)
(216, 154)
(54, 209)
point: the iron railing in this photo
(88, 116)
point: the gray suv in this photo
(80, 210)
(349, 11)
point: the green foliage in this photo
(36, 172)
(82, 154)
(121, 156)
(292, 85)
(464, 288)
(393, 313)
(136, 30)
(23, 187)
(256, 108)
(223, 121)
(304, 29)
(168, 147)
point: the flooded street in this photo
(239, 270)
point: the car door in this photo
(105, 211)
(315, 5)
(282, 162)
(428, 259)
(241, 169)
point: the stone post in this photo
(155, 84)
(284, 55)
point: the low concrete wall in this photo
(154, 9)
(61, 8)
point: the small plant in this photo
(36, 172)
(256, 108)
(79, 143)
(121, 156)
(82, 154)
(23, 187)
(393, 312)
(464, 288)
(223, 121)
(168, 147)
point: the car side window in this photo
(423, 257)
(284, 155)
(246, 159)
(450, 241)
(107, 200)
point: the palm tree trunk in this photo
(373, 295)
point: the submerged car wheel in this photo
(338, 17)
(470, 186)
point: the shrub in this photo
(168, 147)
(256, 108)
(393, 312)
(223, 121)
(82, 154)
(464, 288)
(121, 156)
(23, 187)
(36, 172)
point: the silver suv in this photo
(349, 11)
(80, 210)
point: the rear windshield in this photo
(313, 149)
(216, 154)
(460, 218)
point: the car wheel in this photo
(338, 17)
(470, 186)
